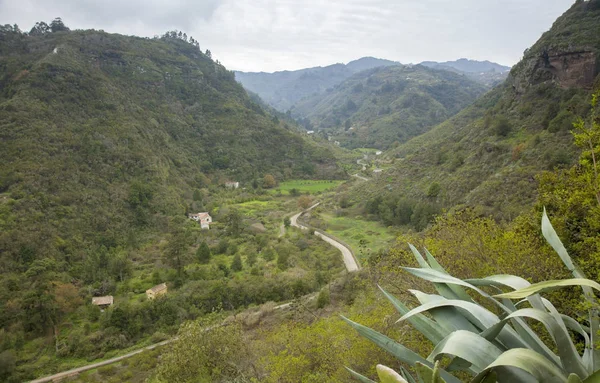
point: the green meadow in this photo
(364, 237)
(306, 186)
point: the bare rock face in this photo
(575, 68)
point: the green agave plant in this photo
(489, 347)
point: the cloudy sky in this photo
(270, 35)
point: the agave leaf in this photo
(420, 260)
(491, 377)
(549, 285)
(458, 291)
(447, 317)
(527, 360)
(478, 315)
(482, 318)
(594, 378)
(504, 280)
(554, 241)
(457, 364)
(430, 329)
(387, 375)
(358, 376)
(406, 375)
(399, 351)
(429, 375)
(567, 322)
(526, 333)
(436, 276)
(550, 234)
(512, 281)
(569, 356)
(573, 378)
(468, 346)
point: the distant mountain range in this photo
(282, 90)
(387, 105)
(467, 66)
(484, 72)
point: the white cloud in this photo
(287, 34)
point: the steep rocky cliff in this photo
(568, 54)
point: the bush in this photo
(434, 190)
(8, 362)
(323, 299)
(502, 126)
(236, 264)
(563, 122)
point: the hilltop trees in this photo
(57, 25)
(41, 28)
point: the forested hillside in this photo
(101, 131)
(386, 106)
(283, 89)
(489, 154)
(106, 143)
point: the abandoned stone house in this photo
(156, 291)
(103, 302)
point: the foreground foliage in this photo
(488, 346)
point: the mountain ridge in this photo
(386, 106)
(282, 89)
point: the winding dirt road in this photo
(349, 260)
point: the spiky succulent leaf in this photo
(399, 351)
(529, 361)
(387, 375)
(458, 291)
(594, 318)
(359, 377)
(548, 285)
(430, 329)
(428, 374)
(467, 346)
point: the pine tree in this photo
(203, 253)
(236, 265)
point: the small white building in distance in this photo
(378, 153)
(203, 218)
(232, 185)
